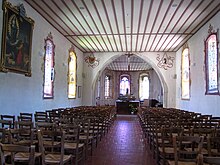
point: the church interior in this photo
(101, 71)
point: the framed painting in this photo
(16, 40)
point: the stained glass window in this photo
(144, 87)
(185, 74)
(48, 68)
(211, 61)
(107, 86)
(124, 85)
(72, 74)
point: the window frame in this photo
(50, 95)
(207, 78)
(142, 75)
(72, 95)
(129, 80)
(183, 69)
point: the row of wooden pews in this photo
(181, 137)
(56, 136)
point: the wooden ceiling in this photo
(129, 62)
(126, 25)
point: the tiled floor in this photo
(123, 145)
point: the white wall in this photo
(155, 87)
(199, 102)
(25, 94)
(167, 77)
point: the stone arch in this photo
(145, 58)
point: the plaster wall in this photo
(25, 94)
(167, 77)
(199, 102)
(154, 89)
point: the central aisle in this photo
(123, 145)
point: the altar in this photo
(124, 107)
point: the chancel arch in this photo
(133, 90)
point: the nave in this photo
(95, 135)
(123, 145)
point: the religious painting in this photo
(92, 61)
(165, 61)
(16, 40)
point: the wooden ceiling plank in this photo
(122, 34)
(179, 41)
(207, 18)
(72, 21)
(184, 24)
(123, 43)
(179, 19)
(134, 41)
(187, 37)
(186, 21)
(158, 10)
(139, 23)
(132, 17)
(73, 2)
(94, 22)
(100, 40)
(74, 41)
(44, 11)
(170, 4)
(216, 9)
(123, 14)
(60, 19)
(102, 23)
(146, 23)
(194, 18)
(164, 33)
(171, 41)
(116, 21)
(106, 13)
(138, 45)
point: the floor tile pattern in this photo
(123, 145)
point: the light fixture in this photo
(174, 5)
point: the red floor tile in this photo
(123, 145)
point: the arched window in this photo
(49, 68)
(211, 63)
(185, 74)
(72, 74)
(144, 87)
(125, 84)
(107, 86)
